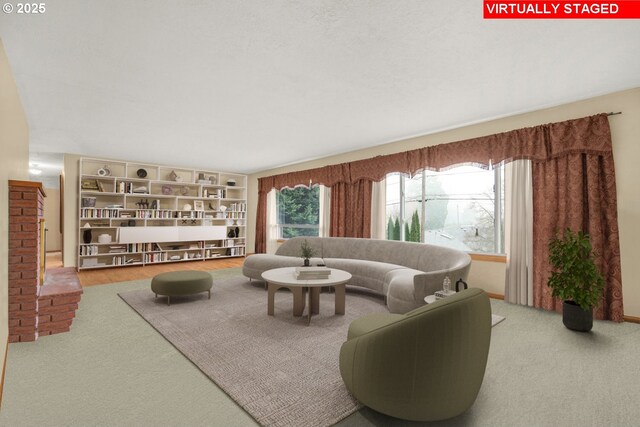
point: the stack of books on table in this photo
(312, 273)
(444, 294)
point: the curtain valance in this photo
(538, 144)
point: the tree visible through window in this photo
(298, 212)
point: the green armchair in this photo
(425, 365)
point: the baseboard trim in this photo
(489, 258)
(4, 369)
(631, 319)
(495, 296)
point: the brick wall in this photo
(58, 301)
(35, 310)
(26, 203)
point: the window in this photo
(298, 212)
(462, 208)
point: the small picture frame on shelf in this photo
(198, 205)
(88, 202)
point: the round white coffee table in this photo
(286, 278)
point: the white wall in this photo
(14, 164)
(52, 219)
(625, 131)
(70, 232)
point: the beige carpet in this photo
(281, 371)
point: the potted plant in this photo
(575, 279)
(306, 252)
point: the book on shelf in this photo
(114, 249)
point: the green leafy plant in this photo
(575, 276)
(306, 251)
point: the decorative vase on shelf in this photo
(86, 236)
(306, 262)
(237, 231)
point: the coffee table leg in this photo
(315, 300)
(310, 307)
(298, 300)
(271, 294)
(340, 298)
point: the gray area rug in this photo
(278, 369)
(281, 371)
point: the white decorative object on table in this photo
(446, 284)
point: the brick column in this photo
(26, 201)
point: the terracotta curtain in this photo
(351, 209)
(577, 189)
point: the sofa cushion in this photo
(405, 275)
(292, 247)
(364, 273)
(401, 298)
(442, 258)
(347, 248)
(406, 254)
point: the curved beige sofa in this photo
(403, 272)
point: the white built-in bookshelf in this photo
(140, 214)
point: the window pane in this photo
(460, 209)
(393, 206)
(298, 211)
(412, 208)
(454, 208)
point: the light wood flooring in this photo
(103, 276)
(54, 260)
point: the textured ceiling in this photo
(250, 85)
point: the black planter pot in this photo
(306, 262)
(576, 318)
